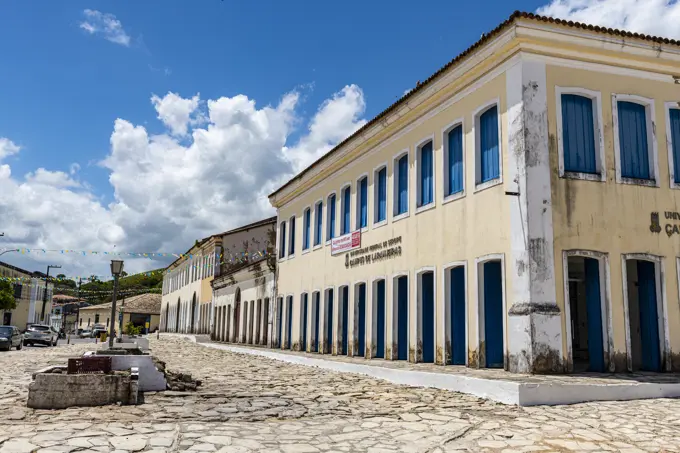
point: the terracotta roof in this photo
(148, 304)
(483, 40)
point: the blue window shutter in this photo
(305, 235)
(675, 138)
(634, 156)
(331, 208)
(346, 204)
(382, 195)
(455, 182)
(319, 223)
(402, 200)
(426, 189)
(578, 134)
(363, 194)
(282, 251)
(291, 250)
(488, 135)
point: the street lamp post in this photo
(116, 270)
(47, 278)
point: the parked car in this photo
(85, 333)
(98, 331)
(10, 337)
(40, 334)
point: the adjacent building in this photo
(518, 210)
(33, 304)
(188, 301)
(245, 287)
(143, 311)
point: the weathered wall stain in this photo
(473, 361)
(440, 356)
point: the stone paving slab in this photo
(497, 385)
(254, 404)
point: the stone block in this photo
(59, 391)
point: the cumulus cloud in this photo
(336, 119)
(652, 17)
(176, 112)
(170, 189)
(7, 148)
(106, 25)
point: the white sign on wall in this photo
(346, 243)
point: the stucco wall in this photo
(460, 230)
(611, 217)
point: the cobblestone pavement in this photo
(253, 404)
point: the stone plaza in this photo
(248, 403)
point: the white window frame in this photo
(662, 307)
(652, 147)
(596, 97)
(375, 196)
(314, 218)
(479, 301)
(395, 185)
(310, 239)
(418, 164)
(291, 239)
(328, 217)
(358, 204)
(279, 236)
(479, 111)
(445, 158)
(669, 142)
(342, 208)
(605, 305)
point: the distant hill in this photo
(97, 292)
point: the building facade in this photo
(29, 292)
(187, 295)
(189, 278)
(516, 210)
(245, 288)
(142, 311)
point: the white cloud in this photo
(7, 148)
(337, 118)
(651, 17)
(170, 190)
(176, 112)
(106, 25)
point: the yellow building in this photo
(33, 305)
(518, 209)
(143, 311)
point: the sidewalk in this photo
(496, 385)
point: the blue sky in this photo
(62, 89)
(144, 126)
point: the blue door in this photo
(315, 344)
(362, 320)
(649, 327)
(304, 322)
(427, 300)
(279, 330)
(493, 314)
(289, 322)
(380, 320)
(402, 318)
(457, 311)
(345, 320)
(594, 313)
(329, 330)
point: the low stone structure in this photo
(52, 388)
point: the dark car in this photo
(40, 334)
(10, 337)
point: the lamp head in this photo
(116, 267)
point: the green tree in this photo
(7, 301)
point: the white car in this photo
(85, 333)
(40, 334)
